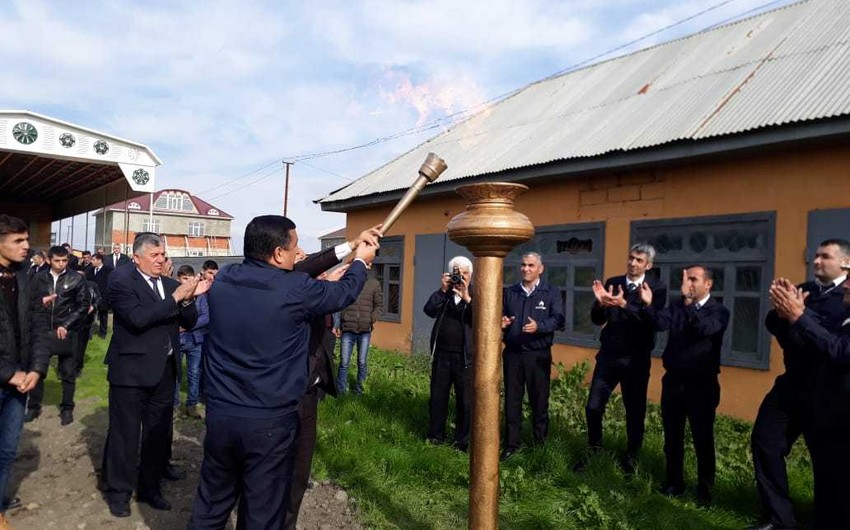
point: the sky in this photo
(224, 91)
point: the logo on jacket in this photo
(541, 305)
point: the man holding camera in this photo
(451, 349)
(532, 311)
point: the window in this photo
(134, 206)
(387, 266)
(197, 229)
(572, 259)
(152, 226)
(174, 200)
(739, 250)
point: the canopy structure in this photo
(51, 169)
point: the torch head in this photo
(433, 167)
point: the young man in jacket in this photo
(357, 321)
(60, 302)
(690, 390)
(532, 312)
(191, 343)
(20, 369)
(451, 350)
(624, 359)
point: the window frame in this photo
(760, 359)
(155, 228)
(202, 229)
(596, 259)
(385, 280)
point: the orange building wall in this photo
(791, 183)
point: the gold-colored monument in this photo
(489, 228)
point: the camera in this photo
(456, 278)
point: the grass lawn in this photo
(373, 445)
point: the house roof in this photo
(336, 234)
(143, 204)
(765, 73)
(71, 167)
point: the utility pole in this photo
(286, 188)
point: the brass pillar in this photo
(489, 228)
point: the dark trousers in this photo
(83, 337)
(531, 372)
(633, 378)
(693, 399)
(138, 412)
(102, 320)
(831, 470)
(249, 460)
(67, 368)
(448, 370)
(305, 445)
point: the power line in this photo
(246, 186)
(228, 183)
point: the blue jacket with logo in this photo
(544, 306)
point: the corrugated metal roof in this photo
(783, 66)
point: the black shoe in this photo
(157, 502)
(66, 417)
(507, 453)
(173, 473)
(703, 496)
(672, 491)
(119, 508)
(628, 464)
(770, 526)
(461, 446)
(11, 504)
(31, 415)
(584, 461)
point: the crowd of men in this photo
(262, 333)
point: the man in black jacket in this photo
(690, 389)
(804, 396)
(20, 370)
(148, 309)
(59, 305)
(625, 357)
(451, 349)
(321, 378)
(99, 273)
(117, 259)
(830, 400)
(531, 313)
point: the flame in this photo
(459, 97)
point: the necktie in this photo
(114, 261)
(632, 287)
(154, 282)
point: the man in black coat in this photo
(532, 311)
(451, 349)
(256, 371)
(20, 370)
(117, 259)
(804, 398)
(148, 309)
(321, 378)
(59, 299)
(99, 274)
(690, 390)
(624, 359)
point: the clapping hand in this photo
(607, 298)
(646, 293)
(788, 300)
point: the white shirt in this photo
(55, 278)
(533, 287)
(159, 286)
(832, 285)
(115, 260)
(635, 282)
(698, 305)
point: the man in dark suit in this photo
(39, 262)
(690, 390)
(804, 398)
(628, 339)
(256, 372)
(117, 259)
(99, 274)
(148, 311)
(321, 380)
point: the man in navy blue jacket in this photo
(256, 370)
(690, 390)
(532, 311)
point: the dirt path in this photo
(56, 480)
